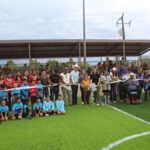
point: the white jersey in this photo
(66, 79)
(106, 80)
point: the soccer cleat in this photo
(46, 115)
(29, 117)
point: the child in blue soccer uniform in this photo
(39, 87)
(17, 110)
(48, 107)
(26, 111)
(60, 106)
(37, 108)
(15, 93)
(25, 92)
(4, 111)
(3, 93)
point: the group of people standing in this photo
(111, 81)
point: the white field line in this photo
(129, 114)
(110, 146)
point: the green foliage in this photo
(35, 65)
(13, 66)
(51, 63)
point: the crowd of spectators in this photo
(118, 83)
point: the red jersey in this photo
(9, 82)
(33, 91)
(33, 77)
(19, 81)
(25, 77)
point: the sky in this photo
(62, 19)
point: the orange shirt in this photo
(86, 83)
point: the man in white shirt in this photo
(75, 79)
(66, 86)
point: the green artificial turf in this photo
(140, 110)
(87, 127)
(139, 143)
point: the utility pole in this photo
(121, 21)
(84, 35)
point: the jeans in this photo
(82, 96)
(74, 94)
(45, 92)
(54, 92)
(122, 91)
(113, 92)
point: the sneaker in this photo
(46, 115)
(29, 117)
(97, 104)
(82, 103)
(94, 103)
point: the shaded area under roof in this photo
(15, 49)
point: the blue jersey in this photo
(4, 109)
(60, 106)
(25, 107)
(2, 93)
(48, 105)
(37, 105)
(24, 92)
(17, 108)
(39, 89)
(16, 93)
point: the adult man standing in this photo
(54, 80)
(95, 77)
(75, 78)
(122, 75)
(66, 86)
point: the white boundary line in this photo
(124, 140)
(129, 137)
(129, 114)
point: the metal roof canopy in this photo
(15, 49)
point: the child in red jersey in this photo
(26, 75)
(9, 81)
(34, 76)
(33, 92)
(18, 79)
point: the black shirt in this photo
(55, 78)
(95, 78)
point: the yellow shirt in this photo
(86, 83)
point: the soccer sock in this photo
(105, 99)
(108, 98)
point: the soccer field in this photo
(82, 128)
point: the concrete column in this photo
(30, 58)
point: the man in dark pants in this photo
(54, 80)
(81, 78)
(75, 78)
(122, 74)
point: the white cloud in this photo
(63, 18)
